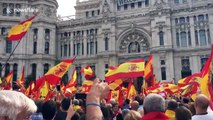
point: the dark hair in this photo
(65, 103)
(39, 104)
(106, 113)
(49, 109)
(127, 101)
(172, 105)
(182, 113)
(139, 99)
(185, 100)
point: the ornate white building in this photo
(109, 32)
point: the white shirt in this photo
(208, 116)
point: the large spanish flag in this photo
(54, 75)
(18, 31)
(131, 69)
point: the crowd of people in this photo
(16, 106)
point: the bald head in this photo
(135, 105)
(202, 102)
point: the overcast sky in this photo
(66, 7)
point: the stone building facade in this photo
(109, 32)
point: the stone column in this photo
(192, 30)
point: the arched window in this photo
(35, 34)
(7, 69)
(183, 39)
(202, 34)
(15, 71)
(4, 6)
(161, 38)
(46, 67)
(134, 47)
(46, 49)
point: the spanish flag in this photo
(73, 81)
(54, 75)
(20, 81)
(18, 31)
(89, 74)
(131, 91)
(87, 85)
(131, 69)
(116, 84)
(8, 79)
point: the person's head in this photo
(182, 113)
(106, 113)
(132, 115)
(192, 108)
(185, 100)
(139, 99)
(172, 105)
(76, 102)
(115, 107)
(201, 103)
(49, 110)
(135, 105)
(154, 103)
(65, 103)
(127, 101)
(15, 105)
(39, 104)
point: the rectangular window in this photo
(196, 38)
(163, 73)
(65, 50)
(82, 45)
(146, 3)
(98, 12)
(125, 7)
(92, 48)
(78, 48)
(201, 18)
(69, 50)
(93, 13)
(34, 47)
(161, 38)
(106, 68)
(177, 39)
(74, 49)
(87, 14)
(195, 18)
(139, 4)
(34, 70)
(106, 44)
(88, 48)
(132, 5)
(96, 47)
(118, 8)
(8, 46)
(209, 36)
(46, 49)
(189, 38)
(203, 61)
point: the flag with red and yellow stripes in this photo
(89, 74)
(20, 81)
(18, 31)
(87, 85)
(54, 75)
(73, 81)
(8, 79)
(131, 69)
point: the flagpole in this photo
(11, 55)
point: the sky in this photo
(66, 7)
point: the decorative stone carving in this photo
(105, 9)
(136, 39)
